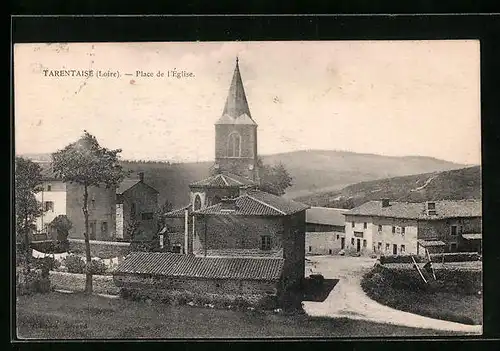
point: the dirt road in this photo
(347, 299)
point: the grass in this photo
(454, 307)
(76, 316)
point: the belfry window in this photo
(197, 202)
(234, 145)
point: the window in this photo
(132, 210)
(92, 230)
(330, 251)
(453, 230)
(310, 249)
(338, 236)
(234, 145)
(352, 224)
(453, 247)
(379, 246)
(265, 242)
(147, 216)
(49, 187)
(197, 202)
(387, 247)
(403, 249)
(379, 227)
(92, 202)
(403, 230)
(364, 243)
(393, 229)
(104, 228)
(431, 205)
(352, 241)
(49, 206)
(365, 225)
(176, 248)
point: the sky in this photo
(394, 98)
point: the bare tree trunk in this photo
(27, 248)
(88, 275)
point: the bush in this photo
(32, 282)
(46, 264)
(75, 264)
(96, 267)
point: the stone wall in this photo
(102, 284)
(228, 289)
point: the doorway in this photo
(394, 249)
(358, 245)
(342, 243)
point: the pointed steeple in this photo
(236, 102)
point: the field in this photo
(76, 316)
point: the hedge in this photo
(100, 250)
(400, 259)
(448, 279)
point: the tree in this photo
(166, 207)
(274, 179)
(61, 224)
(28, 180)
(88, 164)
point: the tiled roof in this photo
(474, 236)
(179, 213)
(325, 215)
(416, 210)
(241, 253)
(258, 203)
(223, 180)
(128, 183)
(178, 265)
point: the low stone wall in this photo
(100, 249)
(76, 282)
(221, 291)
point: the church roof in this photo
(236, 110)
(257, 203)
(223, 180)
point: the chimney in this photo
(228, 204)
(141, 176)
(385, 203)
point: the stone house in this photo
(387, 227)
(325, 230)
(105, 205)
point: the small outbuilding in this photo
(153, 274)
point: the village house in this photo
(107, 221)
(236, 239)
(325, 230)
(392, 228)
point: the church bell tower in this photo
(236, 134)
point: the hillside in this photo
(456, 184)
(313, 171)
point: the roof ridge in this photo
(265, 204)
